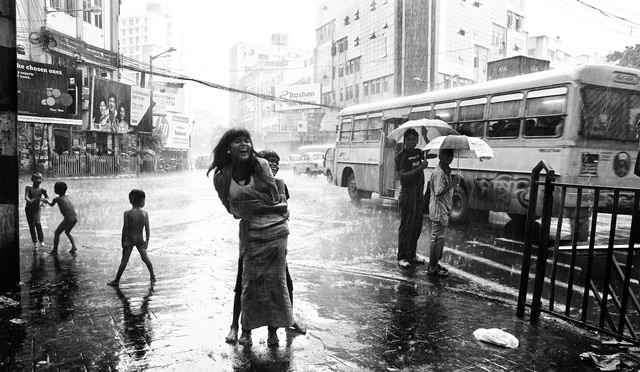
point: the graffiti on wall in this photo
(502, 191)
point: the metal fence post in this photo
(541, 265)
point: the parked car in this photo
(310, 163)
(328, 165)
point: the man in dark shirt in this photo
(410, 164)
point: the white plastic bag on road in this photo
(496, 336)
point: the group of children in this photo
(135, 221)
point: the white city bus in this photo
(581, 120)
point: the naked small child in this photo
(68, 212)
(135, 220)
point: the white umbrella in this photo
(462, 146)
(429, 128)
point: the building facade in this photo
(370, 50)
(76, 38)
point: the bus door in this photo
(390, 186)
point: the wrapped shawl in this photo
(263, 214)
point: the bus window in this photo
(445, 111)
(359, 129)
(545, 112)
(471, 115)
(374, 129)
(507, 106)
(550, 126)
(507, 128)
(471, 129)
(345, 131)
(421, 112)
(609, 113)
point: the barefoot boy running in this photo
(69, 214)
(135, 220)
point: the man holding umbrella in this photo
(441, 186)
(410, 164)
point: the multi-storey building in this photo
(369, 50)
(257, 69)
(76, 38)
(146, 29)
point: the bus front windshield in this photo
(610, 114)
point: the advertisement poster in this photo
(117, 107)
(49, 94)
(168, 98)
(308, 93)
(175, 131)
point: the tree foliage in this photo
(630, 57)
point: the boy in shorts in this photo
(68, 212)
(135, 220)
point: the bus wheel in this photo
(460, 206)
(329, 177)
(352, 188)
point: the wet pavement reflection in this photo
(361, 311)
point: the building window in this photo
(342, 45)
(86, 16)
(341, 70)
(356, 15)
(366, 88)
(98, 17)
(356, 41)
(70, 4)
(357, 93)
(341, 94)
(385, 84)
(377, 86)
(514, 21)
(346, 20)
(372, 5)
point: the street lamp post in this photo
(92, 9)
(151, 58)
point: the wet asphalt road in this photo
(362, 312)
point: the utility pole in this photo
(9, 229)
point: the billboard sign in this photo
(168, 98)
(175, 131)
(49, 94)
(307, 93)
(117, 107)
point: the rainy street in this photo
(360, 310)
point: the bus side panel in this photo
(364, 162)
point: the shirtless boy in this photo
(69, 214)
(135, 220)
(33, 195)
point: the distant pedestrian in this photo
(248, 190)
(410, 164)
(135, 220)
(70, 217)
(33, 196)
(441, 189)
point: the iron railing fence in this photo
(595, 284)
